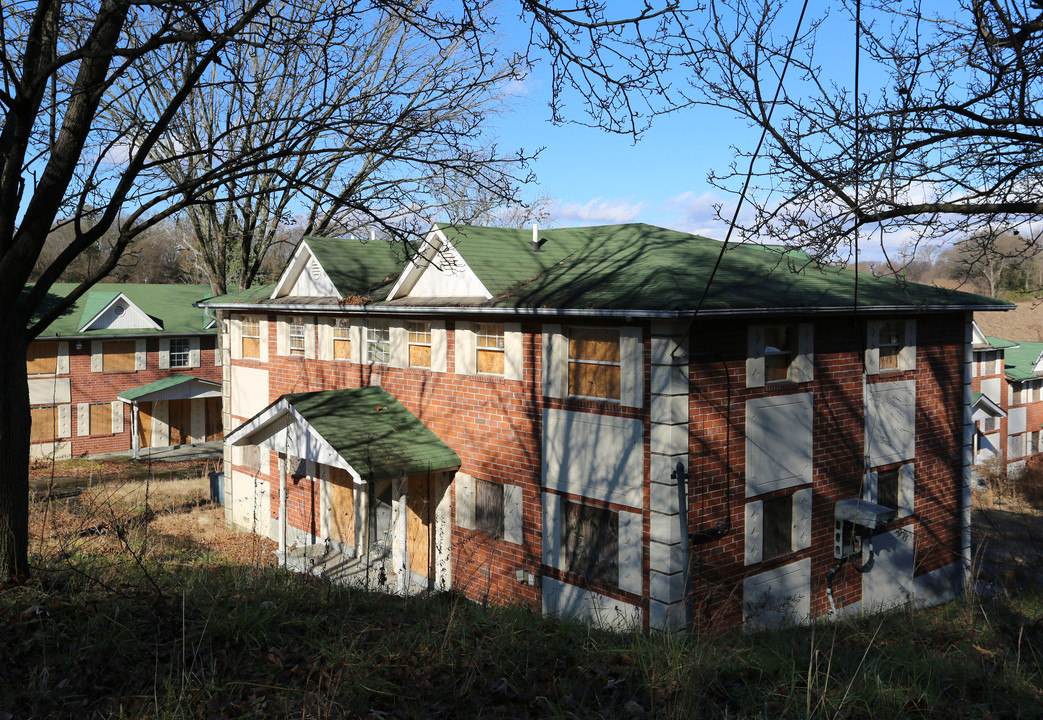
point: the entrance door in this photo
(341, 507)
(213, 429)
(145, 424)
(419, 526)
(179, 417)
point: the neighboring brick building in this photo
(573, 378)
(1008, 374)
(124, 357)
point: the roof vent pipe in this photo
(372, 234)
(536, 238)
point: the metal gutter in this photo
(591, 312)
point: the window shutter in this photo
(65, 421)
(438, 345)
(264, 341)
(117, 416)
(873, 347)
(805, 352)
(139, 354)
(282, 337)
(801, 537)
(513, 361)
(83, 419)
(872, 489)
(555, 362)
(63, 358)
(164, 353)
(309, 337)
(755, 357)
(630, 551)
(631, 367)
(754, 532)
(193, 352)
(464, 339)
(236, 340)
(906, 491)
(553, 519)
(97, 356)
(325, 328)
(399, 345)
(907, 356)
(357, 333)
(512, 514)
(465, 501)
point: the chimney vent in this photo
(536, 244)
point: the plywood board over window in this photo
(594, 363)
(419, 344)
(489, 348)
(44, 424)
(118, 355)
(41, 358)
(101, 419)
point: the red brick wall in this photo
(101, 387)
(495, 426)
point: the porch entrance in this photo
(423, 494)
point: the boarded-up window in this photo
(778, 527)
(891, 341)
(592, 542)
(780, 350)
(297, 330)
(41, 358)
(419, 344)
(887, 488)
(378, 342)
(342, 339)
(488, 508)
(489, 348)
(251, 338)
(251, 455)
(594, 363)
(101, 419)
(45, 422)
(118, 355)
(180, 350)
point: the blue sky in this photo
(597, 177)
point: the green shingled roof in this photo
(373, 432)
(163, 384)
(643, 267)
(366, 268)
(169, 305)
(1019, 358)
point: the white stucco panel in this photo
(570, 601)
(448, 275)
(249, 391)
(49, 391)
(778, 442)
(597, 456)
(891, 421)
(780, 596)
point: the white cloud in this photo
(598, 211)
(697, 214)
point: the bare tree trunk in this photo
(14, 453)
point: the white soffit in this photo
(978, 339)
(438, 271)
(279, 428)
(304, 276)
(121, 313)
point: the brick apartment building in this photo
(573, 420)
(129, 366)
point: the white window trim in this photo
(802, 367)
(906, 355)
(906, 489)
(800, 526)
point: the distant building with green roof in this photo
(128, 366)
(624, 423)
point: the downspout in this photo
(282, 509)
(968, 458)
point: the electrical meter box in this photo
(853, 518)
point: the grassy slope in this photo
(132, 615)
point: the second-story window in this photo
(179, 353)
(780, 350)
(378, 342)
(342, 339)
(489, 348)
(419, 344)
(297, 330)
(251, 338)
(594, 368)
(891, 342)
